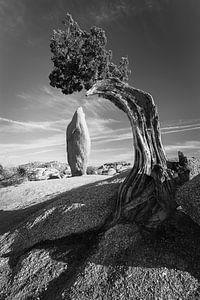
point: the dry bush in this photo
(91, 170)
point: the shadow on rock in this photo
(75, 211)
(43, 252)
(11, 218)
(92, 264)
(166, 266)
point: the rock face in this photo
(78, 143)
(188, 196)
(42, 254)
(77, 211)
(194, 166)
(115, 242)
(48, 263)
(41, 272)
(30, 276)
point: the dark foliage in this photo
(91, 170)
(1, 170)
(80, 58)
(21, 171)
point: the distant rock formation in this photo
(113, 168)
(78, 143)
(46, 170)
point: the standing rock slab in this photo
(188, 196)
(78, 143)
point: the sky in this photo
(161, 40)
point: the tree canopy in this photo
(80, 58)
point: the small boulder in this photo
(43, 174)
(111, 171)
(118, 168)
(99, 171)
(52, 174)
(38, 174)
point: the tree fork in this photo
(146, 197)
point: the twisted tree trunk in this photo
(146, 197)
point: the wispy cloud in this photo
(56, 111)
(126, 134)
(188, 145)
(53, 103)
(106, 11)
(102, 132)
(96, 128)
(47, 97)
(12, 16)
(112, 149)
(54, 140)
(111, 136)
(100, 156)
(8, 125)
(181, 126)
(36, 149)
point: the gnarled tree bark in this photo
(146, 197)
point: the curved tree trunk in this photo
(146, 197)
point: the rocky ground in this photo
(51, 245)
(21, 201)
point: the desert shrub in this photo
(13, 176)
(1, 170)
(91, 170)
(65, 171)
(2, 173)
(21, 171)
(12, 181)
(8, 172)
